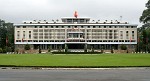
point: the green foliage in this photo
(40, 50)
(59, 49)
(92, 49)
(112, 50)
(145, 18)
(127, 51)
(6, 31)
(17, 51)
(144, 40)
(49, 48)
(1, 50)
(102, 49)
(27, 47)
(85, 48)
(66, 48)
(123, 47)
(4, 50)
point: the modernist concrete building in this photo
(75, 32)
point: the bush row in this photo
(4, 50)
(76, 52)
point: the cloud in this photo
(20, 10)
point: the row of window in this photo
(76, 26)
(76, 41)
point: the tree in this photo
(145, 18)
(6, 33)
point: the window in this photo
(121, 34)
(29, 34)
(23, 34)
(40, 26)
(46, 26)
(24, 26)
(127, 34)
(132, 34)
(18, 26)
(35, 26)
(18, 34)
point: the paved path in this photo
(75, 75)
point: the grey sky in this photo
(19, 10)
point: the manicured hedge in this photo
(76, 53)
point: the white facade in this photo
(75, 31)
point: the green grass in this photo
(102, 60)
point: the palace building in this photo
(75, 33)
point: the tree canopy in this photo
(145, 18)
(6, 36)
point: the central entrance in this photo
(75, 46)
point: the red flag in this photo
(76, 14)
(6, 40)
(138, 39)
(130, 39)
(22, 40)
(146, 40)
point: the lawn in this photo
(101, 60)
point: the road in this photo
(75, 75)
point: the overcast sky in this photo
(17, 11)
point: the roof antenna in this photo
(120, 18)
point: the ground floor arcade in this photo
(75, 46)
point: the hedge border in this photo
(76, 52)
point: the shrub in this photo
(8, 49)
(102, 49)
(59, 50)
(123, 47)
(49, 48)
(66, 48)
(1, 50)
(127, 51)
(17, 51)
(92, 49)
(85, 48)
(4, 50)
(112, 50)
(40, 50)
(27, 47)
